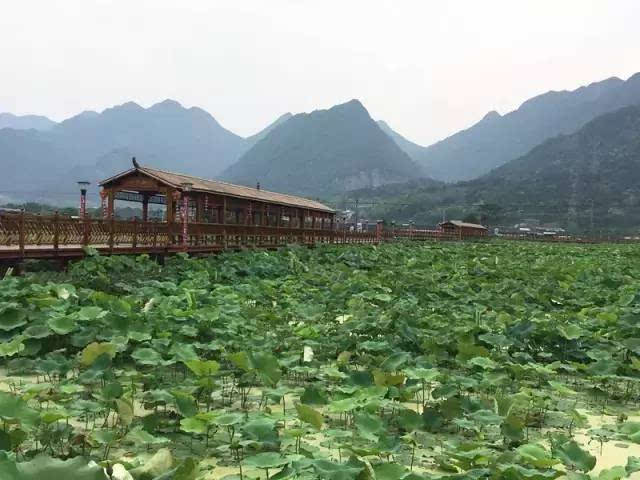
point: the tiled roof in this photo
(458, 223)
(223, 188)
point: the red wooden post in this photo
(145, 207)
(379, 231)
(344, 230)
(134, 241)
(21, 233)
(103, 203)
(111, 232)
(85, 230)
(56, 231)
(224, 210)
(185, 221)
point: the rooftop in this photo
(176, 180)
(459, 223)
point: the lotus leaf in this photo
(575, 457)
(309, 415)
(12, 347)
(12, 317)
(94, 350)
(62, 325)
(146, 356)
(536, 455)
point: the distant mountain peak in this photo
(352, 105)
(284, 116)
(25, 122)
(492, 115)
(166, 105)
(324, 152)
(87, 114)
(129, 106)
(265, 131)
(634, 78)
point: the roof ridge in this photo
(225, 183)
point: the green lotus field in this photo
(471, 361)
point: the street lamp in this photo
(83, 184)
(186, 188)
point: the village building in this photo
(463, 229)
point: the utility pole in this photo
(357, 215)
(592, 232)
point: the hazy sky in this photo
(429, 68)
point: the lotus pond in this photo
(454, 361)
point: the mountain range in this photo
(585, 181)
(44, 163)
(496, 138)
(326, 153)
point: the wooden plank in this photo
(21, 233)
(56, 230)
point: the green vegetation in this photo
(404, 361)
(45, 209)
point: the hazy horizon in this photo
(428, 70)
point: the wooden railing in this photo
(36, 236)
(23, 233)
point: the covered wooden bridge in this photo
(180, 213)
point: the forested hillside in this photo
(324, 152)
(587, 180)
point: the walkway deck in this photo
(25, 236)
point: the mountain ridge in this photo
(25, 122)
(93, 145)
(496, 139)
(324, 151)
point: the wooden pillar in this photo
(56, 230)
(111, 203)
(170, 201)
(279, 217)
(145, 207)
(21, 234)
(378, 231)
(313, 221)
(134, 241)
(170, 206)
(224, 210)
(199, 207)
